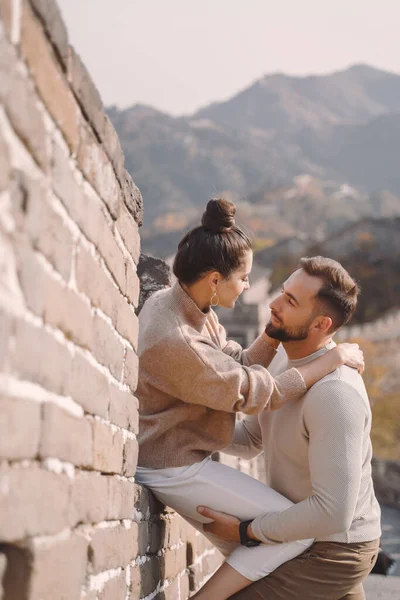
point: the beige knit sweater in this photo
(192, 381)
(318, 454)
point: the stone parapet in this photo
(73, 522)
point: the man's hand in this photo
(224, 526)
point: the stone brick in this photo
(135, 587)
(59, 568)
(32, 501)
(151, 536)
(20, 102)
(172, 531)
(184, 586)
(131, 451)
(113, 547)
(131, 369)
(49, 79)
(174, 561)
(50, 15)
(86, 92)
(94, 283)
(107, 448)
(124, 409)
(127, 322)
(112, 146)
(70, 312)
(5, 167)
(146, 503)
(89, 595)
(145, 578)
(6, 331)
(58, 305)
(6, 16)
(90, 214)
(66, 437)
(51, 367)
(113, 257)
(16, 579)
(89, 499)
(172, 591)
(3, 565)
(115, 588)
(98, 170)
(107, 346)
(132, 285)
(19, 428)
(133, 199)
(45, 227)
(129, 231)
(70, 193)
(121, 499)
(88, 386)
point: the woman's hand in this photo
(352, 356)
(343, 354)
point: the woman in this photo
(192, 381)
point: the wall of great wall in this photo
(384, 329)
(73, 523)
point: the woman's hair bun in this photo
(219, 216)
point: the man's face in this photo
(294, 310)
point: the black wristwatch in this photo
(245, 540)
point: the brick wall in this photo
(73, 523)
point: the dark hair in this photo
(338, 293)
(215, 245)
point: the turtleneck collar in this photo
(192, 313)
(299, 362)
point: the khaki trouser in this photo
(326, 571)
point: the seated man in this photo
(317, 451)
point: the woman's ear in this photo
(214, 279)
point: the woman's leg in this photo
(225, 489)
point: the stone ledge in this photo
(86, 92)
(51, 18)
(89, 100)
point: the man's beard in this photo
(287, 334)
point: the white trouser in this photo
(222, 488)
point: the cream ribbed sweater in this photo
(192, 381)
(318, 454)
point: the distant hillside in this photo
(367, 155)
(297, 215)
(282, 103)
(369, 250)
(343, 127)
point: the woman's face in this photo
(229, 290)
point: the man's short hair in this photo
(337, 297)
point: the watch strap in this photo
(245, 540)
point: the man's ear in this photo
(322, 324)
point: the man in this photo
(317, 451)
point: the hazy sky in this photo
(179, 55)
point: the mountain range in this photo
(341, 131)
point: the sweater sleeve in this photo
(259, 353)
(194, 370)
(247, 439)
(335, 419)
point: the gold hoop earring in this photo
(213, 297)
